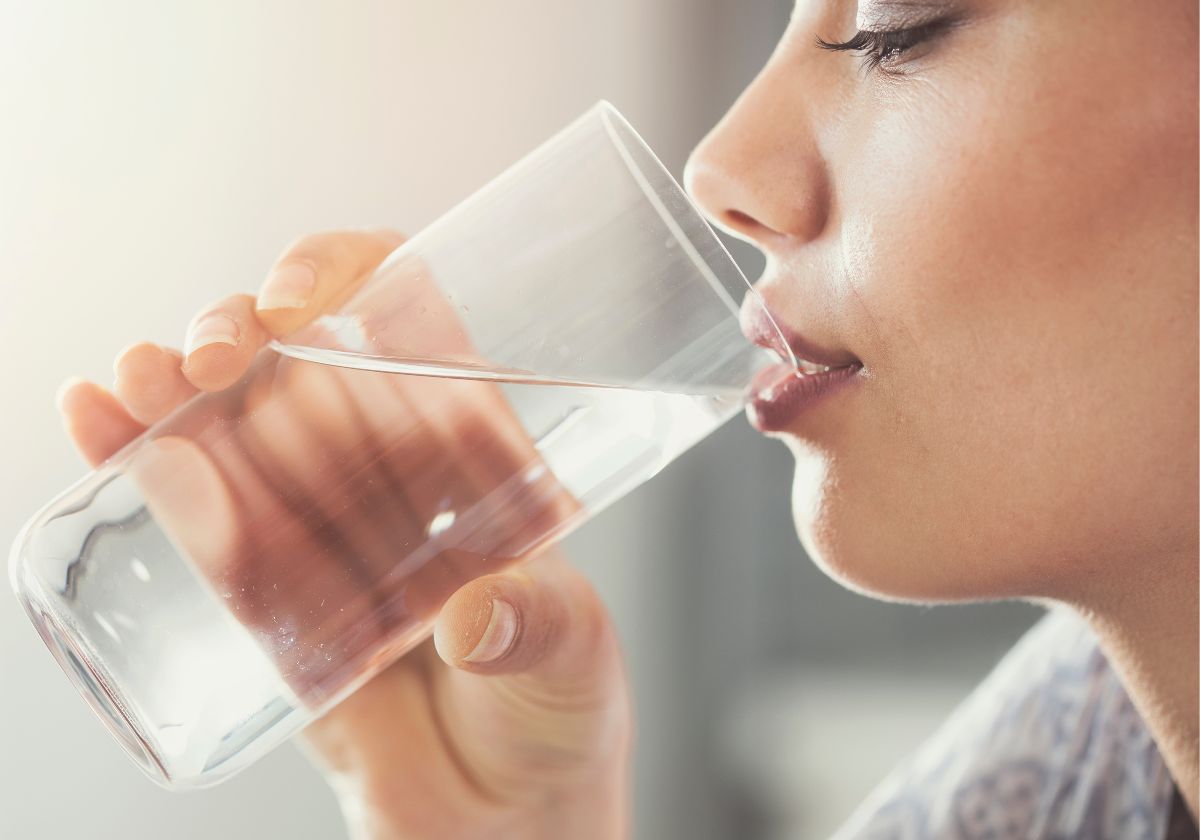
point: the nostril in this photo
(745, 224)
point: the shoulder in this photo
(1048, 745)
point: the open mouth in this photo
(773, 334)
(782, 391)
(812, 368)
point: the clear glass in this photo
(528, 359)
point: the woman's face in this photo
(998, 220)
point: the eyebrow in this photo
(903, 12)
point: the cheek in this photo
(1022, 318)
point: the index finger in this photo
(318, 272)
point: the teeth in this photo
(808, 368)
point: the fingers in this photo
(318, 272)
(95, 421)
(149, 381)
(538, 693)
(188, 498)
(221, 342)
(542, 619)
(314, 273)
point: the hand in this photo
(308, 504)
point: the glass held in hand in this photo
(258, 554)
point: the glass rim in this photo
(621, 133)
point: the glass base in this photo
(100, 694)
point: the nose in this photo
(759, 173)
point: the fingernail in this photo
(498, 636)
(289, 287)
(213, 328)
(61, 393)
(120, 357)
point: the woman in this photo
(980, 213)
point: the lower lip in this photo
(790, 394)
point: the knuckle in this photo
(327, 249)
(388, 237)
(208, 309)
(235, 306)
(238, 304)
(132, 353)
(302, 244)
(341, 249)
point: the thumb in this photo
(537, 694)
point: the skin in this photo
(476, 732)
(1001, 226)
(1003, 231)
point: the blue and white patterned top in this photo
(1048, 746)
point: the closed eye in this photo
(886, 48)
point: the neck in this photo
(1150, 635)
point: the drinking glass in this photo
(255, 556)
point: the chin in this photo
(879, 544)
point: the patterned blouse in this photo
(1048, 746)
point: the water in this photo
(273, 546)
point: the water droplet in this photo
(139, 570)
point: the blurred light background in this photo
(156, 156)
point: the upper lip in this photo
(770, 332)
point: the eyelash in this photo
(884, 48)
